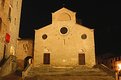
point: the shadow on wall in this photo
(2, 61)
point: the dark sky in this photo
(102, 15)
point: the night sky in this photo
(102, 15)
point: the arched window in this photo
(0, 24)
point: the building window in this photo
(0, 24)
(2, 2)
(63, 30)
(44, 36)
(83, 36)
(9, 14)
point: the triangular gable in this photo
(63, 14)
(64, 10)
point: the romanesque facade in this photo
(64, 43)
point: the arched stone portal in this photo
(26, 61)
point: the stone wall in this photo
(10, 11)
(24, 49)
(9, 66)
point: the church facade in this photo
(64, 43)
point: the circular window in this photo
(84, 36)
(44, 36)
(63, 30)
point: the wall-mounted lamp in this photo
(118, 69)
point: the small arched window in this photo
(84, 36)
(44, 36)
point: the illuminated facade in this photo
(64, 42)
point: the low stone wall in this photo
(106, 69)
(9, 66)
(25, 72)
(20, 64)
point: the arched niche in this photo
(64, 17)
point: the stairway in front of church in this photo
(77, 73)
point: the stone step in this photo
(54, 69)
(61, 73)
(71, 72)
(70, 78)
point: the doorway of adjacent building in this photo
(81, 59)
(46, 58)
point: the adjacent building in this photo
(24, 51)
(10, 11)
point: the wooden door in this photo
(46, 58)
(81, 59)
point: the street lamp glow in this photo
(118, 69)
(119, 66)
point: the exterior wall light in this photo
(119, 66)
(118, 69)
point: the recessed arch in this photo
(26, 61)
(64, 17)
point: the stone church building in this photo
(64, 43)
